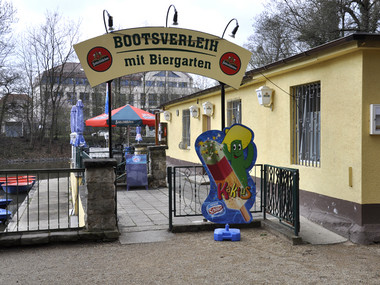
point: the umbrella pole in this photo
(109, 83)
(128, 136)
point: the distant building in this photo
(143, 90)
(13, 114)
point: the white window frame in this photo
(186, 131)
(234, 114)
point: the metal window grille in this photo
(185, 129)
(234, 112)
(307, 124)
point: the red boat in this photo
(15, 178)
(17, 186)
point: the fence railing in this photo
(189, 186)
(119, 155)
(41, 199)
(281, 197)
(277, 192)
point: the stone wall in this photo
(157, 167)
(101, 191)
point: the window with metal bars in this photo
(185, 143)
(306, 124)
(233, 112)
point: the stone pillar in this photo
(101, 191)
(157, 160)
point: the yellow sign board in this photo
(136, 50)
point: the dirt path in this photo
(193, 258)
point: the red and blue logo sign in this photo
(230, 63)
(99, 59)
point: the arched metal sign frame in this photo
(136, 50)
(130, 51)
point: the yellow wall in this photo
(340, 130)
(344, 120)
(371, 143)
(175, 126)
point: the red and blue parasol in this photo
(127, 115)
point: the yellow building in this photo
(323, 106)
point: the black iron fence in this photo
(276, 192)
(41, 199)
(281, 197)
(189, 186)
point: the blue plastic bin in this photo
(136, 170)
(227, 234)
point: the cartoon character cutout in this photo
(228, 156)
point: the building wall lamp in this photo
(265, 96)
(194, 111)
(167, 116)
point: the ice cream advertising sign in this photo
(136, 50)
(228, 156)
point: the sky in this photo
(208, 16)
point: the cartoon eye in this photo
(239, 146)
(234, 147)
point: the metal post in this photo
(109, 83)
(265, 189)
(222, 104)
(169, 170)
(156, 123)
(296, 202)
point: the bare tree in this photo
(7, 75)
(45, 51)
(7, 18)
(271, 40)
(26, 65)
(287, 27)
(361, 15)
(7, 81)
(201, 82)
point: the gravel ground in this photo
(193, 258)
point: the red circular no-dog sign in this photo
(230, 63)
(99, 59)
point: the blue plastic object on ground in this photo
(227, 234)
(136, 170)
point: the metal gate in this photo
(281, 195)
(276, 192)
